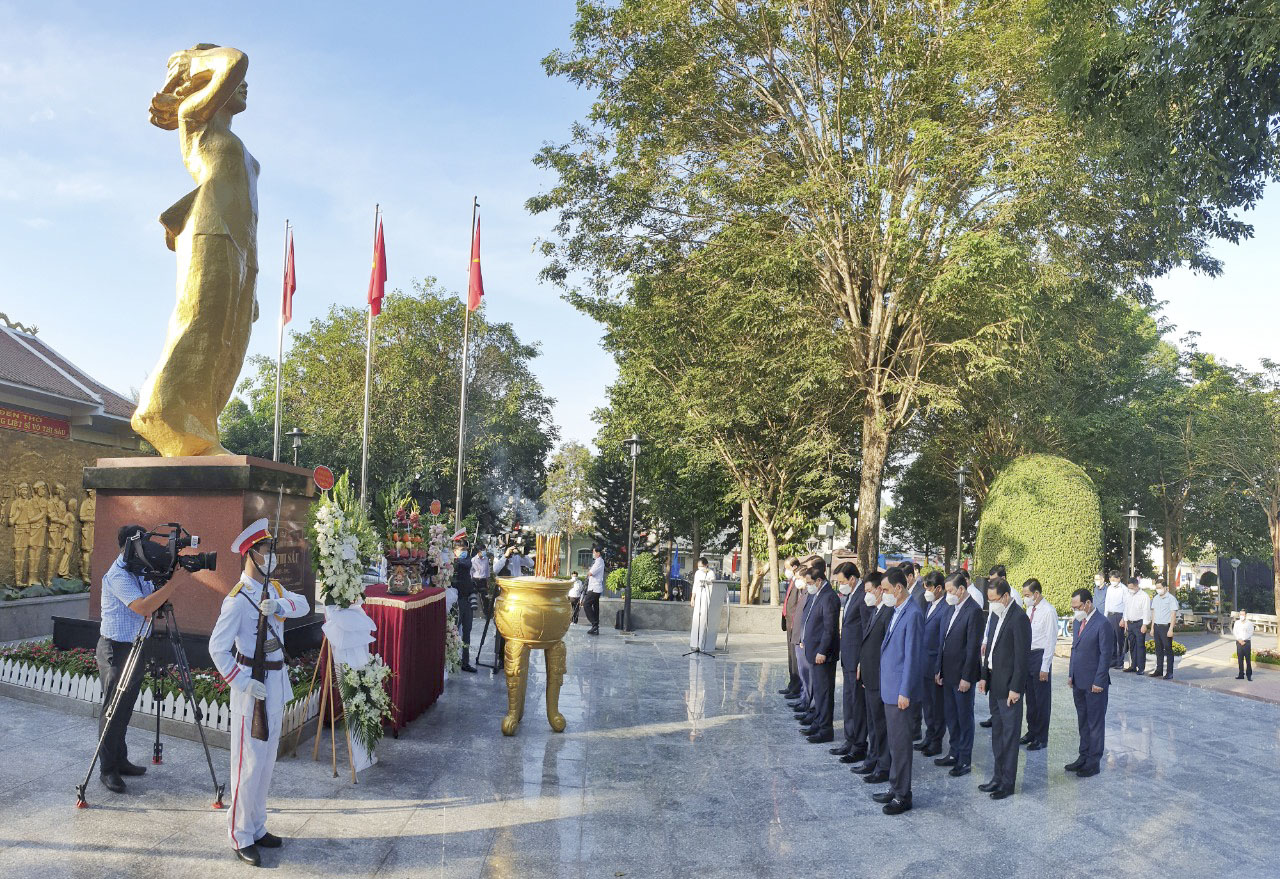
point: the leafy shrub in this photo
(1269, 657)
(646, 577)
(1042, 520)
(1178, 648)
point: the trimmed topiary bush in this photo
(646, 577)
(1042, 519)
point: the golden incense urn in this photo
(532, 614)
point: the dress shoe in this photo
(466, 666)
(897, 807)
(960, 769)
(883, 797)
(1037, 746)
(863, 768)
(840, 751)
(931, 751)
(822, 738)
(1088, 773)
(1130, 670)
(1074, 765)
(593, 631)
(1155, 674)
(919, 746)
(810, 730)
(949, 760)
(988, 787)
(249, 854)
(1025, 740)
(859, 754)
(786, 691)
(268, 840)
(1239, 677)
(1249, 678)
(131, 769)
(985, 724)
(112, 782)
(850, 759)
(795, 704)
(1001, 793)
(876, 778)
(1168, 677)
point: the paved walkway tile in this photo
(670, 767)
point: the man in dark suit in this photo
(875, 768)
(1089, 676)
(981, 583)
(901, 661)
(1004, 676)
(792, 689)
(854, 748)
(821, 643)
(935, 613)
(958, 669)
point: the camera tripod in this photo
(487, 603)
(165, 615)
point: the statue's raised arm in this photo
(214, 231)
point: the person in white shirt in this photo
(1242, 631)
(576, 587)
(1164, 616)
(1137, 619)
(1044, 637)
(701, 599)
(595, 586)
(1114, 609)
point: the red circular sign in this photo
(323, 477)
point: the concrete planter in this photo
(33, 617)
(677, 616)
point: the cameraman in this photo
(128, 601)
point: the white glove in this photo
(269, 606)
(256, 689)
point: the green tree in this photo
(911, 161)
(566, 501)
(413, 430)
(609, 479)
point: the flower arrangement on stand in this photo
(438, 555)
(452, 642)
(342, 538)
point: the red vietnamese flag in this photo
(378, 275)
(475, 290)
(290, 286)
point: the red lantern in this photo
(435, 508)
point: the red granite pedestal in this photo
(215, 498)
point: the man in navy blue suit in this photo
(1089, 676)
(820, 644)
(958, 668)
(875, 768)
(849, 584)
(901, 675)
(936, 610)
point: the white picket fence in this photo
(84, 688)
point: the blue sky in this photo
(418, 106)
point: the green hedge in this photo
(646, 577)
(1042, 519)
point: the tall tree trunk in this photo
(697, 543)
(745, 564)
(772, 538)
(1273, 522)
(1170, 574)
(875, 453)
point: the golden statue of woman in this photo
(214, 232)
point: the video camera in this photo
(153, 555)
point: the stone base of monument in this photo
(213, 498)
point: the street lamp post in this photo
(633, 444)
(960, 475)
(297, 435)
(1235, 585)
(1134, 516)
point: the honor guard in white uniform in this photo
(232, 647)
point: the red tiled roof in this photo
(27, 361)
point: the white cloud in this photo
(45, 115)
(37, 223)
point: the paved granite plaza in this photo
(670, 767)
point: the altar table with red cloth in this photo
(410, 640)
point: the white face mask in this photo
(267, 565)
(845, 588)
(953, 599)
(1080, 615)
(889, 599)
(1029, 600)
(929, 596)
(811, 588)
(869, 599)
(1162, 590)
(999, 609)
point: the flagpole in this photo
(275, 445)
(368, 372)
(466, 341)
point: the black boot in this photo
(466, 660)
